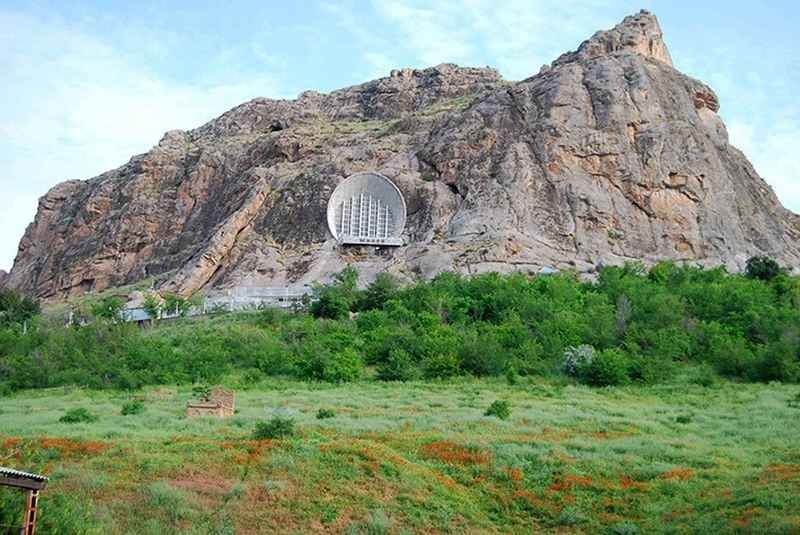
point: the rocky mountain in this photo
(607, 154)
(3, 277)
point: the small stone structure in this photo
(220, 403)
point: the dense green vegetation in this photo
(416, 457)
(629, 326)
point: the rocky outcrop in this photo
(3, 277)
(608, 154)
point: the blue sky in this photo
(85, 85)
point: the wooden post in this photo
(29, 524)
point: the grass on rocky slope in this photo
(417, 458)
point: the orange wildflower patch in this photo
(451, 453)
(514, 474)
(609, 435)
(535, 502)
(69, 447)
(10, 443)
(571, 481)
(682, 474)
(610, 518)
(253, 450)
(780, 472)
(626, 483)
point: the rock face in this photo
(3, 277)
(608, 154)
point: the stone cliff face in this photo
(3, 277)
(607, 154)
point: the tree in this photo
(383, 288)
(153, 305)
(107, 308)
(175, 304)
(762, 267)
(336, 300)
(16, 308)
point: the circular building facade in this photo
(367, 209)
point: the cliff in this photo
(607, 154)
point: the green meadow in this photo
(416, 457)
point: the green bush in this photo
(441, 366)
(657, 321)
(499, 408)
(276, 427)
(323, 414)
(398, 366)
(607, 368)
(762, 267)
(77, 416)
(15, 308)
(131, 408)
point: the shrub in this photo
(441, 366)
(343, 366)
(383, 288)
(108, 308)
(276, 427)
(684, 419)
(323, 414)
(512, 377)
(153, 305)
(607, 368)
(762, 268)
(703, 375)
(175, 304)
(398, 366)
(499, 408)
(577, 359)
(16, 308)
(132, 407)
(76, 416)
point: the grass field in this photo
(418, 458)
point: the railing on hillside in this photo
(236, 299)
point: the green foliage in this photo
(383, 288)
(336, 300)
(78, 416)
(133, 407)
(648, 326)
(324, 414)
(276, 427)
(175, 304)
(153, 305)
(107, 308)
(398, 366)
(762, 267)
(15, 309)
(608, 368)
(440, 366)
(499, 408)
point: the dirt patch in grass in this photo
(451, 453)
(202, 484)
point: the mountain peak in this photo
(639, 33)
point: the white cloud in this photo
(73, 107)
(517, 36)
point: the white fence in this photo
(233, 300)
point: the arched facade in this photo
(367, 209)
